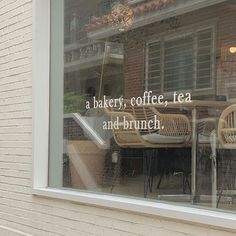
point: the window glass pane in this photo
(204, 58)
(178, 64)
(153, 73)
(142, 104)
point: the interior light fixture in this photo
(232, 49)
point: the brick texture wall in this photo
(134, 66)
(20, 212)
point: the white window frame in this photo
(41, 71)
(185, 31)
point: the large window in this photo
(142, 102)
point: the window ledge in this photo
(189, 214)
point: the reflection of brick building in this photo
(213, 71)
(84, 58)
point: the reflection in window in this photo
(181, 63)
(191, 159)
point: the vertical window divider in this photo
(195, 56)
(162, 63)
(146, 66)
(213, 58)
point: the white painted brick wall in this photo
(20, 212)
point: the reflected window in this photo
(181, 62)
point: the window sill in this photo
(181, 213)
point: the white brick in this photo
(185, 228)
(213, 232)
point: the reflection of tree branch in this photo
(121, 15)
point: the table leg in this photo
(214, 182)
(194, 155)
(213, 170)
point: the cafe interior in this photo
(183, 55)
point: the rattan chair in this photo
(227, 128)
(174, 132)
(226, 139)
(205, 128)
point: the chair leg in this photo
(147, 175)
(147, 168)
(186, 182)
(225, 182)
(159, 181)
(150, 183)
(147, 172)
